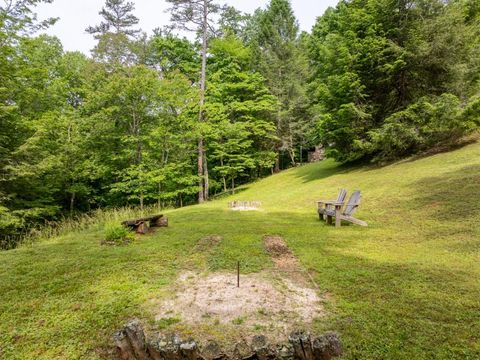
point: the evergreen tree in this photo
(115, 33)
(283, 64)
(240, 112)
(118, 19)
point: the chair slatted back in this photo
(342, 195)
(353, 203)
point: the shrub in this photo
(428, 123)
(117, 234)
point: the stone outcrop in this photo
(133, 344)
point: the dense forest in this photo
(159, 119)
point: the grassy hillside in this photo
(405, 287)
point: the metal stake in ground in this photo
(238, 274)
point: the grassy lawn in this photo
(406, 287)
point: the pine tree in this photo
(118, 18)
(284, 66)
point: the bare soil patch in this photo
(262, 302)
(285, 263)
(211, 305)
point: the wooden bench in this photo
(141, 225)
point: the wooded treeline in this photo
(160, 119)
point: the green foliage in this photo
(414, 270)
(279, 55)
(388, 76)
(424, 125)
(374, 80)
(240, 113)
(117, 234)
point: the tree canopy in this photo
(160, 119)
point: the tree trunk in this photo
(159, 202)
(205, 175)
(72, 202)
(201, 193)
(233, 185)
(201, 150)
(291, 152)
(277, 163)
(224, 179)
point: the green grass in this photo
(406, 287)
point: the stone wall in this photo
(132, 344)
(316, 155)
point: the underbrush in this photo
(117, 234)
(97, 219)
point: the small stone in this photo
(188, 349)
(285, 351)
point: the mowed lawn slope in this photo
(406, 287)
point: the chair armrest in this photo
(325, 201)
(334, 203)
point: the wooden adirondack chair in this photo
(323, 205)
(336, 211)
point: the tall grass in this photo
(95, 219)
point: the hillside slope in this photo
(405, 287)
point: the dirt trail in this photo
(285, 263)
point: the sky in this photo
(76, 15)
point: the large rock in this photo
(302, 346)
(327, 346)
(243, 351)
(130, 341)
(132, 344)
(212, 351)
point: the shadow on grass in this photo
(401, 310)
(322, 170)
(454, 195)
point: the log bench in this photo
(141, 225)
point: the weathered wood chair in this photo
(323, 205)
(335, 211)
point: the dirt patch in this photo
(276, 246)
(284, 261)
(278, 300)
(208, 242)
(262, 302)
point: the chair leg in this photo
(338, 219)
(329, 219)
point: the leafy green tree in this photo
(374, 62)
(240, 112)
(283, 63)
(193, 15)
(170, 54)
